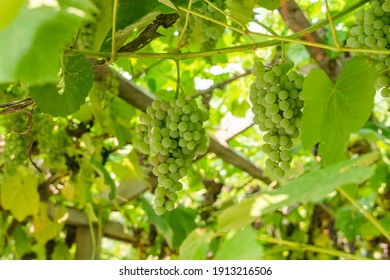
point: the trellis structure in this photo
(140, 99)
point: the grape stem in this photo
(177, 78)
(113, 34)
(184, 28)
(305, 247)
(334, 34)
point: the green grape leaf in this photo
(332, 112)
(19, 194)
(9, 9)
(196, 245)
(61, 252)
(182, 222)
(168, 3)
(161, 224)
(240, 244)
(270, 4)
(241, 10)
(46, 228)
(22, 240)
(32, 43)
(121, 114)
(312, 186)
(132, 15)
(66, 97)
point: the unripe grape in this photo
(158, 201)
(169, 205)
(159, 210)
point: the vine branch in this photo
(305, 247)
(129, 51)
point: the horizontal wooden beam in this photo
(112, 230)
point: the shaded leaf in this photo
(22, 241)
(44, 228)
(182, 222)
(270, 4)
(161, 224)
(196, 245)
(332, 112)
(312, 186)
(240, 244)
(66, 97)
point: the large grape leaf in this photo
(333, 111)
(134, 15)
(9, 10)
(312, 186)
(32, 43)
(241, 10)
(66, 97)
(19, 194)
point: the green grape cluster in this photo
(277, 107)
(86, 36)
(51, 139)
(211, 30)
(172, 134)
(14, 153)
(372, 31)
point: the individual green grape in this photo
(385, 92)
(382, 81)
(279, 172)
(284, 165)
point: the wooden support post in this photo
(87, 245)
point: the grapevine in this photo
(372, 31)
(277, 105)
(172, 133)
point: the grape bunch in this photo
(277, 104)
(210, 30)
(15, 153)
(52, 140)
(372, 31)
(86, 36)
(172, 134)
